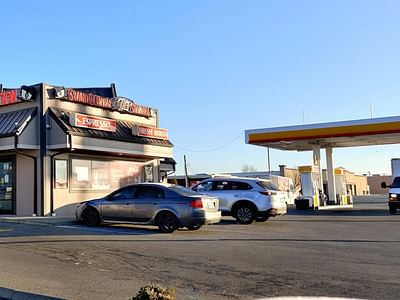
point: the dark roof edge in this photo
(64, 127)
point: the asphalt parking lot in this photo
(349, 253)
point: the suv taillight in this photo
(267, 193)
(196, 203)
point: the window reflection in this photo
(102, 174)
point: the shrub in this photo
(155, 292)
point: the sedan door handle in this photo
(155, 203)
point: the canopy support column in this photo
(317, 163)
(330, 174)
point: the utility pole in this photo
(371, 108)
(269, 162)
(186, 172)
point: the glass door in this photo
(6, 186)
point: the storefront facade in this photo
(60, 146)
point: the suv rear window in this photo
(225, 185)
(267, 185)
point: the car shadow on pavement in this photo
(9, 230)
(343, 212)
(73, 229)
(6, 293)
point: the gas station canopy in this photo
(366, 132)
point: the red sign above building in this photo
(24, 93)
(8, 97)
(151, 132)
(81, 120)
(120, 104)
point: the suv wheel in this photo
(245, 214)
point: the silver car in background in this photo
(246, 199)
(167, 206)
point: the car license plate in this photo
(211, 205)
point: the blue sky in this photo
(216, 68)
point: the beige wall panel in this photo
(47, 182)
(25, 185)
(65, 202)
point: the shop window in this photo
(103, 174)
(125, 172)
(61, 174)
(100, 175)
(81, 174)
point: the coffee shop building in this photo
(60, 146)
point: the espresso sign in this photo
(151, 132)
(120, 104)
(91, 122)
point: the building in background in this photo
(356, 184)
(374, 182)
(59, 146)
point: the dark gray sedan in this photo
(167, 206)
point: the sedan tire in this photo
(167, 222)
(90, 216)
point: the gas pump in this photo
(342, 196)
(310, 189)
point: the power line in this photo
(212, 149)
(359, 157)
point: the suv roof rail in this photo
(222, 175)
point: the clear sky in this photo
(216, 68)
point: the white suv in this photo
(246, 199)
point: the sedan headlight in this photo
(393, 196)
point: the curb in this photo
(34, 222)
(10, 294)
